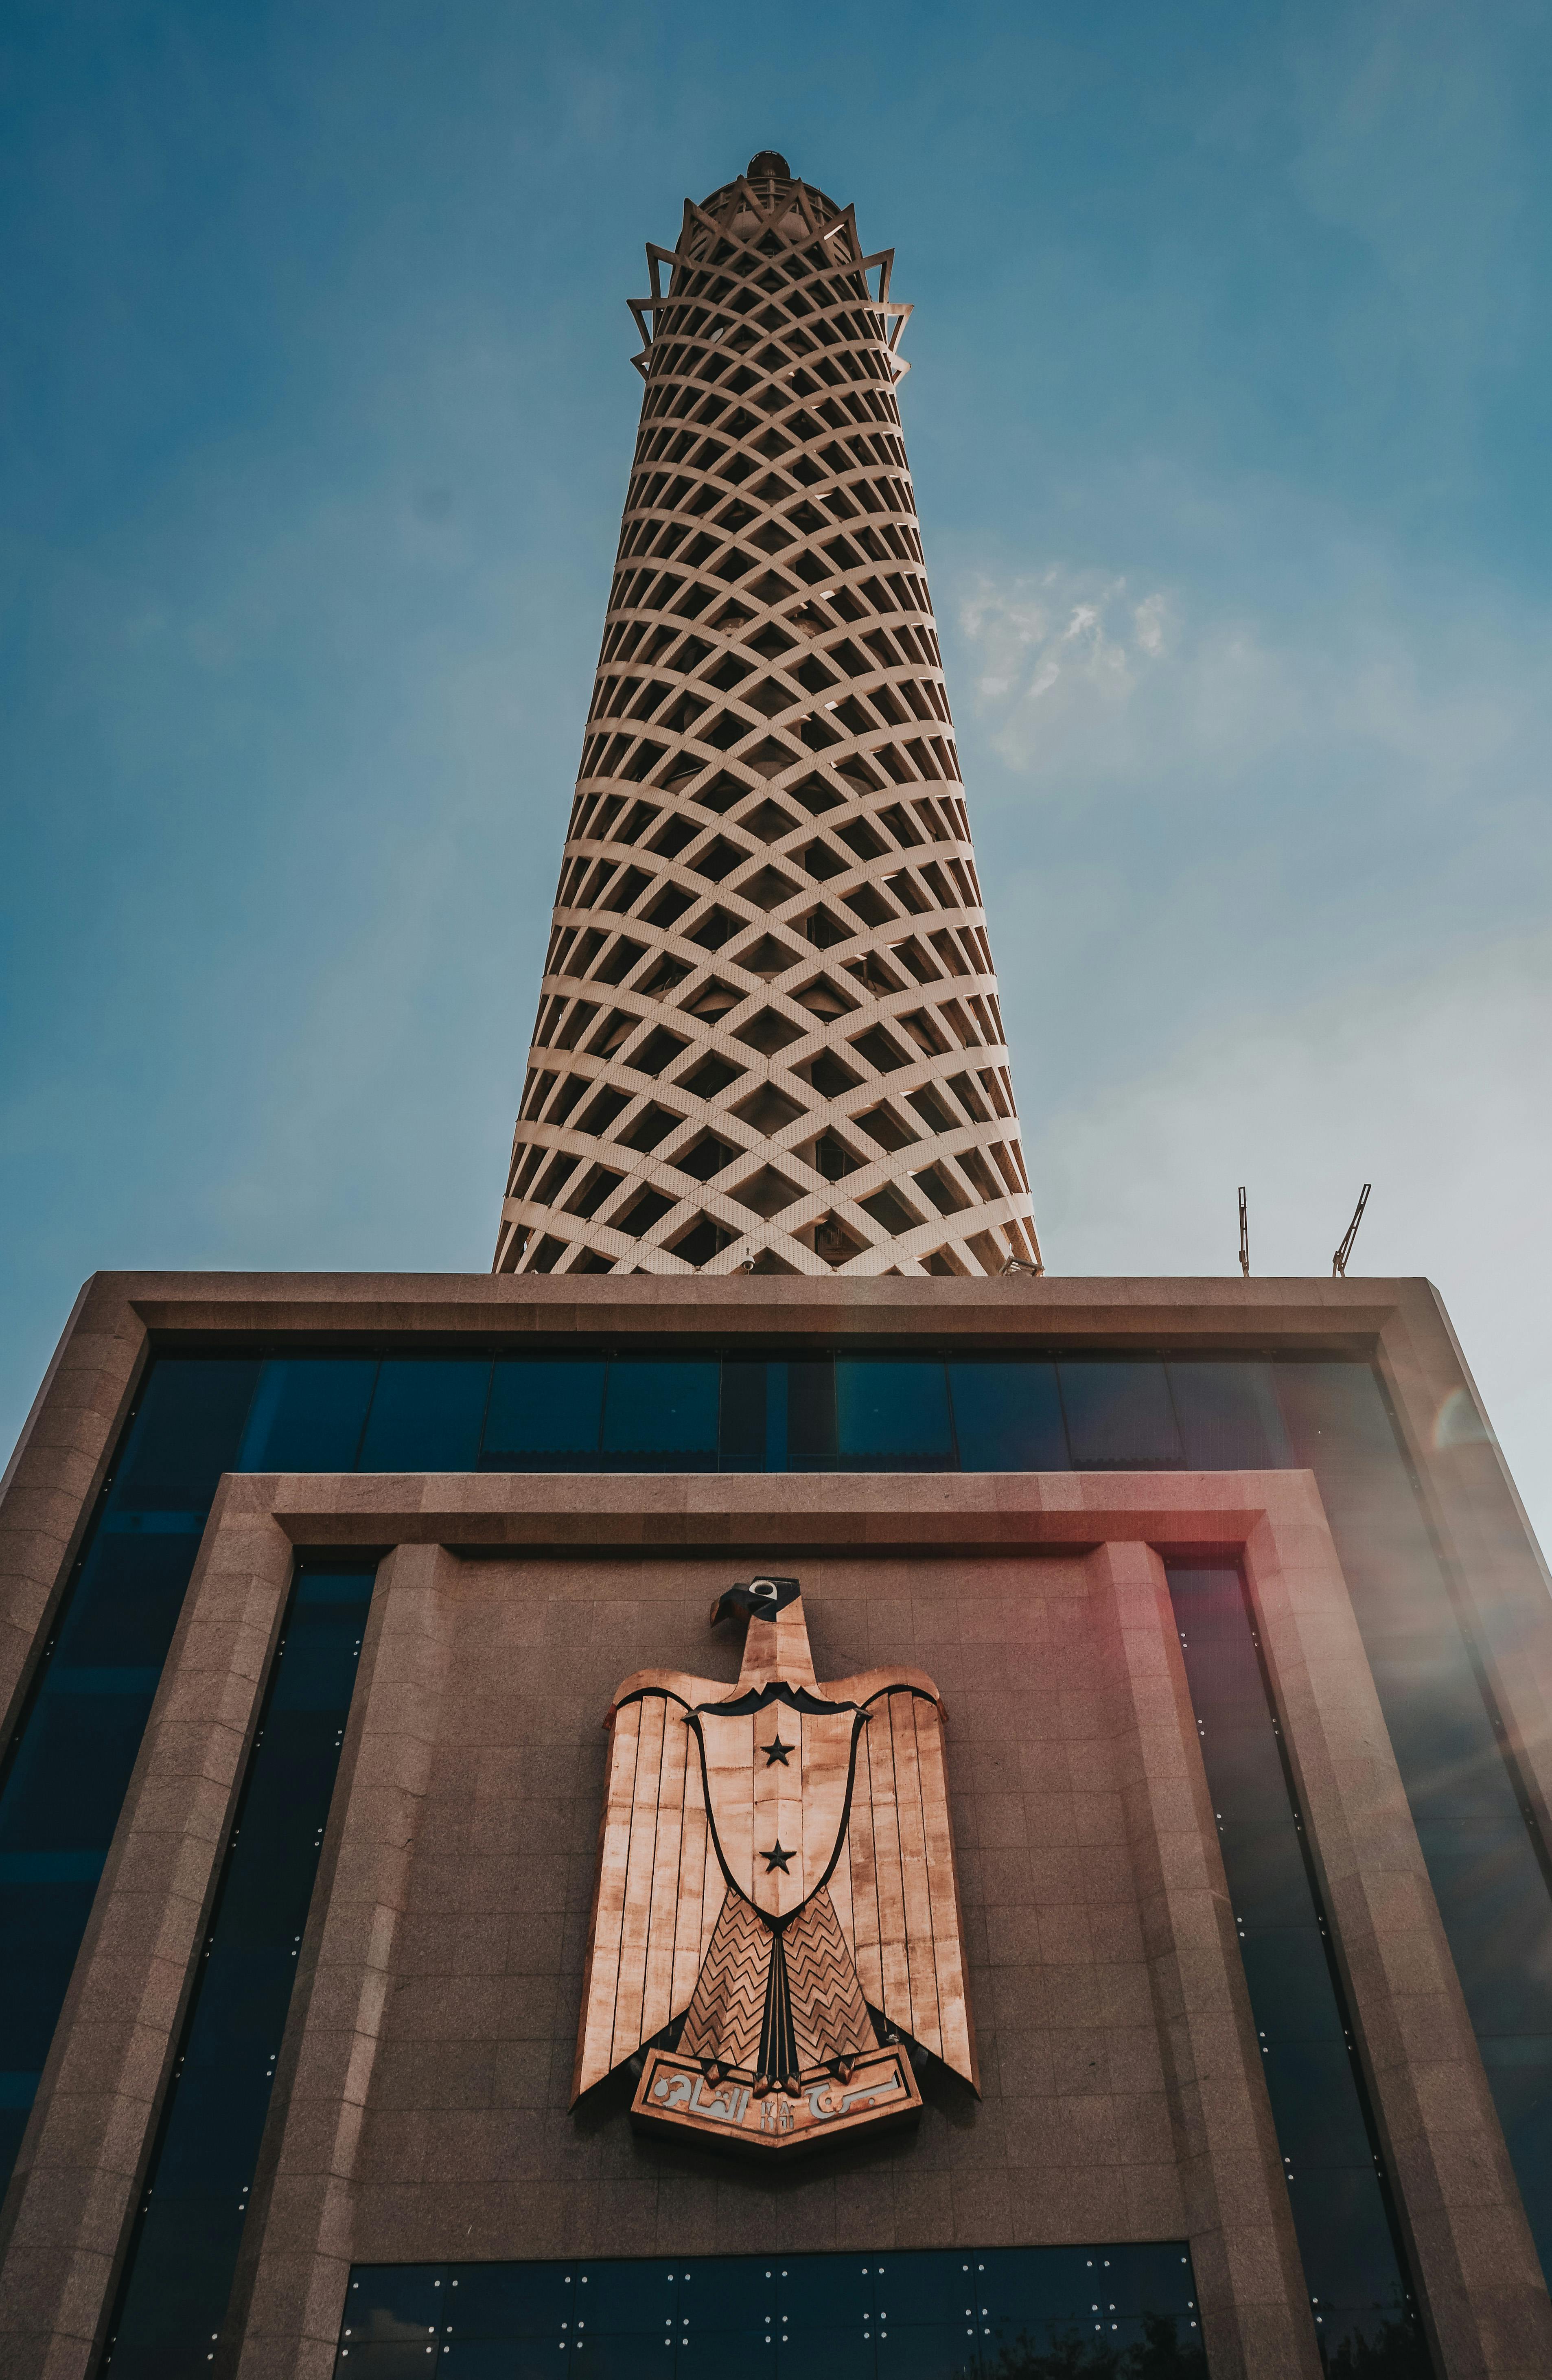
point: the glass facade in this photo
(183, 2248)
(980, 2313)
(63, 1784)
(749, 1412)
(1343, 2212)
(1485, 1856)
(68, 1764)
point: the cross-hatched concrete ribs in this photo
(769, 1035)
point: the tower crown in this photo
(769, 1036)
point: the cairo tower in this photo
(769, 1037)
(767, 1787)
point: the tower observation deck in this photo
(769, 1036)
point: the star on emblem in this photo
(776, 1750)
(776, 1858)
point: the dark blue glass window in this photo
(752, 1425)
(892, 1415)
(544, 1414)
(1342, 2210)
(63, 1783)
(425, 1414)
(1228, 1415)
(1007, 1415)
(810, 1414)
(660, 1412)
(185, 1433)
(1484, 1856)
(183, 2250)
(308, 1413)
(1119, 1414)
(1124, 2312)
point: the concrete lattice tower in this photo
(769, 1035)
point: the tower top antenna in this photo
(1338, 1261)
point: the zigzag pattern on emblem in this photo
(729, 2016)
(724, 2020)
(828, 2013)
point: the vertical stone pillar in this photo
(295, 2289)
(1256, 2316)
(1474, 2259)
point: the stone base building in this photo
(317, 1591)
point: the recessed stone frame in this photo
(72, 2201)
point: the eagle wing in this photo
(893, 1886)
(659, 1888)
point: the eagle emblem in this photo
(775, 1932)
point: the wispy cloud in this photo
(1085, 672)
(1062, 642)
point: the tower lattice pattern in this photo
(768, 1034)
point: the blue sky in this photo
(1228, 421)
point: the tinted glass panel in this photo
(389, 2302)
(387, 2360)
(185, 1435)
(703, 2354)
(508, 2300)
(1520, 2071)
(1007, 1416)
(1486, 1860)
(63, 1781)
(1265, 1868)
(1319, 2121)
(1119, 1414)
(662, 1413)
(728, 2292)
(183, 2250)
(308, 1413)
(1489, 1894)
(811, 1414)
(42, 1917)
(612, 2296)
(935, 2287)
(425, 1414)
(1228, 1415)
(924, 2350)
(132, 1590)
(67, 1786)
(545, 1414)
(1353, 2263)
(825, 2293)
(754, 1395)
(892, 1415)
(1109, 2314)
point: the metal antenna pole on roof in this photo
(1244, 1235)
(1338, 1262)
